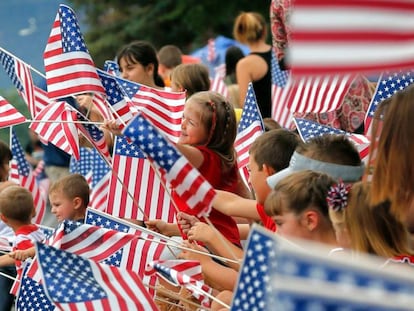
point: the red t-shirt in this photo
(212, 172)
(25, 236)
(267, 221)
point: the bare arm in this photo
(6, 260)
(217, 276)
(233, 205)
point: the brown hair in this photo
(374, 229)
(191, 77)
(5, 157)
(170, 56)
(16, 203)
(72, 186)
(274, 148)
(298, 192)
(249, 27)
(219, 119)
(393, 172)
(337, 149)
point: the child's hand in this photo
(186, 221)
(200, 232)
(112, 126)
(190, 255)
(157, 225)
(23, 254)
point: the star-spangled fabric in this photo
(250, 127)
(164, 109)
(20, 75)
(296, 270)
(31, 295)
(22, 173)
(253, 284)
(75, 283)
(136, 190)
(116, 98)
(135, 256)
(83, 166)
(280, 111)
(309, 129)
(9, 115)
(69, 68)
(112, 68)
(187, 182)
(388, 84)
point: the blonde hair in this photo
(249, 27)
(191, 77)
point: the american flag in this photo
(388, 84)
(134, 183)
(217, 83)
(211, 50)
(21, 77)
(184, 273)
(308, 279)
(69, 67)
(254, 282)
(317, 94)
(89, 285)
(250, 127)
(92, 133)
(112, 68)
(363, 36)
(9, 115)
(308, 129)
(101, 177)
(280, 111)
(186, 180)
(164, 109)
(83, 166)
(134, 256)
(63, 135)
(116, 98)
(31, 296)
(22, 174)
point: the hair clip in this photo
(337, 198)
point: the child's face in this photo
(193, 131)
(134, 72)
(63, 207)
(290, 225)
(258, 180)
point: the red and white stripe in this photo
(344, 36)
(9, 115)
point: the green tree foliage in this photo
(185, 23)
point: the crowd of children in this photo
(314, 190)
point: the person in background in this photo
(169, 57)
(250, 28)
(231, 58)
(191, 78)
(6, 301)
(365, 228)
(138, 62)
(17, 210)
